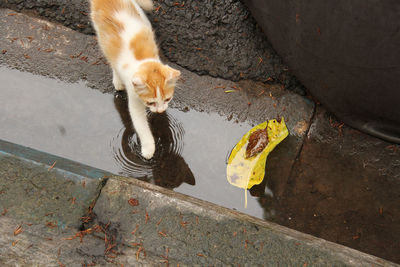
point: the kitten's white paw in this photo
(148, 150)
(119, 86)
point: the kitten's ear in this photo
(172, 75)
(137, 81)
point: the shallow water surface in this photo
(82, 124)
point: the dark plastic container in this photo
(345, 52)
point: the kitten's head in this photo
(155, 84)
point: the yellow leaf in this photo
(245, 172)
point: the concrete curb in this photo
(239, 236)
(282, 243)
(44, 188)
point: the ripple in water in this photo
(168, 134)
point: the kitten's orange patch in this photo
(112, 47)
(103, 14)
(143, 45)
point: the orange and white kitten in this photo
(126, 37)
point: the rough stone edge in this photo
(345, 254)
(58, 167)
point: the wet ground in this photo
(334, 197)
(322, 196)
(325, 179)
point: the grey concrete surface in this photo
(40, 245)
(40, 193)
(40, 47)
(196, 232)
(43, 206)
(217, 38)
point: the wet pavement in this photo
(326, 179)
(349, 187)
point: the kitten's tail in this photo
(145, 4)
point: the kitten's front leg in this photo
(118, 84)
(139, 118)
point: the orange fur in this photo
(109, 7)
(110, 28)
(113, 47)
(143, 45)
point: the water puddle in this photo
(82, 124)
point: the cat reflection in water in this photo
(127, 40)
(168, 168)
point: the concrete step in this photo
(134, 223)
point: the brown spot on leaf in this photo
(258, 140)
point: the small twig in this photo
(18, 230)
(162, 233)
(52, 166)
(134, 231)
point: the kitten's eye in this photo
(168, 99)
(151, 103)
